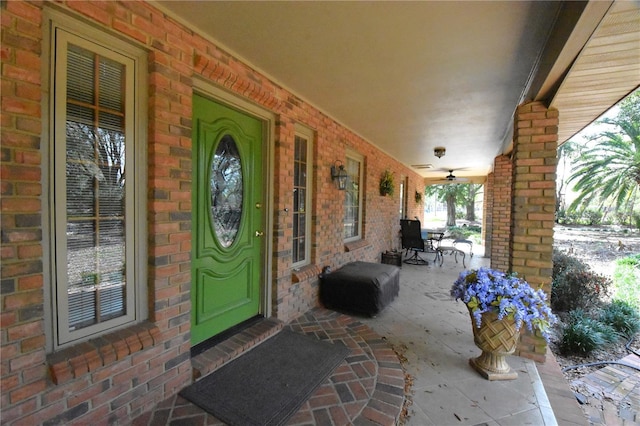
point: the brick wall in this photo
(125, 373)
(294, 292)
(22, 356)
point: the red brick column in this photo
(487, 214)
(501, 213)
(534, 176)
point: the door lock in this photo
(259, 233)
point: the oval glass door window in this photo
(226, 191)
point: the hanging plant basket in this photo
(386, 183)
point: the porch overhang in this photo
(411, 76)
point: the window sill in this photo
(72, 362)
(355, 245)
(305, 272)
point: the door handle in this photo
(259, 233)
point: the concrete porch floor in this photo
(433, 332)
(425, 326)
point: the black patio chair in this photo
(412, 241)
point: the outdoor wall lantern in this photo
(340, 174)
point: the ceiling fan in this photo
(451, 178)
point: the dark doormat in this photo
(268, 384)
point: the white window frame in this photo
(404, 184)
(354, 156)
(62, 31)
(307, 135)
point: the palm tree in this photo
(607, 172)
(567, 152)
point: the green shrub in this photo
(579, 290)
(562, 262)
(623, 317)
(565, 217)
(574, 285)
(463, 232)
(627, 219)
(626, 279)
(582, 334)
(622, 218)
(631, 260)
(592, 217)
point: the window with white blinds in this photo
(94, 188)
(301, 247)
(404, 184)
(353, 199)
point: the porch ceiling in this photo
(410, 76)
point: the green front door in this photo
(227, 218)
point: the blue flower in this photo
(490, 290)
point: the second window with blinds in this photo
(353, 198)
(301, 250)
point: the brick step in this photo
(234, 346)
